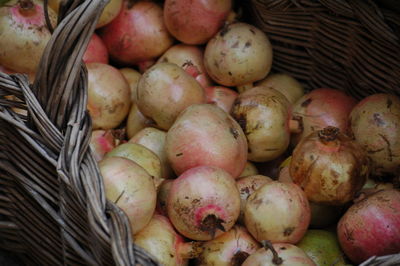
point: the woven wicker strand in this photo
(52, 202)
(350, 45)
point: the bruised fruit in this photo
(238, 54)
(263, 113)
(329, 166)
(375, 125)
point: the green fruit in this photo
(322, 247)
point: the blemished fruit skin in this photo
(371, 226)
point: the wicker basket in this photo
(53, 209)
(351, 45)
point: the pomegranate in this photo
(230, 248)
(238, 54)
(110, 12)
(164, 91)
(189, 57)
(249, 169)
(263, 113)
(322, 215)
(284, 83)
(136, 121)
(131, 188)
(145, 65)
(371, 227)
(23, 34)
(162, 196)
(329, 166)
(282, 254)
(101, 142)
(321, 108)
(108, 96)
(195, 22)
(160, 239)
(96, 52)
(322, 247)
(142, 156)
(221, 96)
(247, 185)
(132, 76)
(277, 211)
(154, 139)
(375, 125)
(204, 134)
(137, 34)
(203, 202)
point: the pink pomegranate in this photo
(96, 52)
(195, 22)
(371, 227)
(189, 57)
(203, 202)
(137, 34)
(222, 97)
(321, 108)
(230, 248)
(204, 134)
(101, 142)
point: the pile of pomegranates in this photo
(189, 123)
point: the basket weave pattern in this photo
(351, 45)
(52, 199)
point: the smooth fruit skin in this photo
(195, 22)
(278, 212)
(290, 254)
(109, 96)
(164, 91)
(371, 227)
(204, 134)
(322, 247)
(137, 34)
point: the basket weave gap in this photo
(340, 7)
(375, 65)
(273, 5)
(369, 16)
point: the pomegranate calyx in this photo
(239, 258)
(26, 4)
(211, 223)
(328, 134)
(268, 245)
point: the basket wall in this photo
(351, 45)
